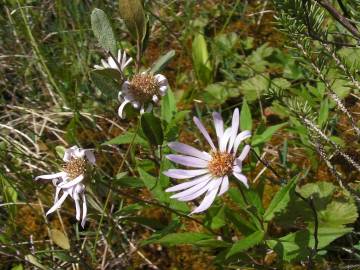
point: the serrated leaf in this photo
(280, 200)
(253, 88)
(103, 31)
(246, 243)
(161, 62)
(245, 117)
(132, 12)
(60, 239)
(151, 126)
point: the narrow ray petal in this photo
(77, 209)
(121, 108)
(188, 161)
(84, 210)
(204, 132)
(224, 185)
(207, 201)
(50, 176)
(189, 150)
(244, 152)
(57, 204)
(190, 191)
(234, 128)
(90, 156)
(189, 184)
(219, 125)
(184, 174)
(242, 178)
(239, 138)
(224, 140)
(194, 195)
(73, 182)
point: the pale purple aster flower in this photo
(142, 91)
(69, 180)
(211, 172)
(120, 65)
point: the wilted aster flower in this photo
(122, 62)
(69, 180)
(213, 168)
(142, 91)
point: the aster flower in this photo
(142, 91)
(212, 169)
(122, 62)
(69, 180)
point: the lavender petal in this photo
(188, 161)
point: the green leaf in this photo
(127, 138)
(60, 151)
(107, 86)
(253, 88)
(245, 117)
(132, 12)
(60, 239)
(323, 113)
(34, 261)
(129, 182)
(103, 31)
(280, 201)
(17, 267)
(201, 59)
(153, 185)
(212, 243)
(161, 62)
(246, 243)
(151, 126)
(183, 238)
(266, 135)
(168, 106)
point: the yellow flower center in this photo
(75, 167)
(143, 87)
(221, 164)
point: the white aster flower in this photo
(142, 91)
(69, 180)
(122, 62)
(211, 176)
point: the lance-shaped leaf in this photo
(162, 61)
(132, 12)
(280, 201)
(102, 30)
(246, 243)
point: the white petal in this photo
(77, 208)
(58, 203)
(244, 152)
(207, 201)
(105, 64)
(234, 128)
(189, 150)
(190, 190)
(214, 183)
(161, 79)
(135, 104)
(155, 98)
(69, 153)
(112, 63)
(84, 210)
(188, 161)
(224, 185)
(123, 66)
(79, 153)
(121, 109)
(242, 178)
(219, 124)
(73, 182)
(189, 184)
(50, 176)
(238, 167)
(202, 129)
(163, 90)
(90, 156)
(224, 140)
(239, 138)
(125, 87)
(183, 174)
(194, 195)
